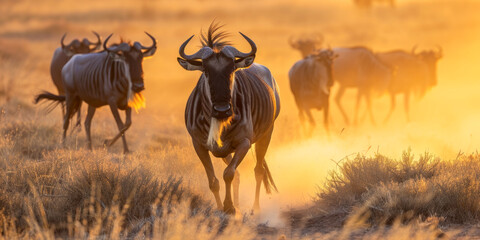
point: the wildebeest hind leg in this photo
(235, 182)
(121, 127)
(69, 103)
(88, 123)
(369, 108)
(393, 104)
(357, 106)
(261, 147)
(79, 118)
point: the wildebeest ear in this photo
(190, 65)
(244, 62)
(68, 52)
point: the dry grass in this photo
(386, 189)
(160, 191)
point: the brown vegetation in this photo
(50, 191)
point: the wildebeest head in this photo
(218, 62)
(133, 55)
(306, 46)
(430, 58)
(326, 57)
(84, 46)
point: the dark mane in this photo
(215, 39)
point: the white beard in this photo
(215, 132)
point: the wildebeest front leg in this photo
(79, 117)
(393, 104)
(88, 123)
(260, 150)
(325, 117)
(311, 122)
(338, 97)
(213, 183)
(235, 182)
(240, 152)
(368, 98)
(121, 127)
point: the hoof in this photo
(255, 211)
(107, 143)
(229, 210)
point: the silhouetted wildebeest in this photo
(61, 57)
(414, 72)
(233, 106)
(369, 3)
(359, 68)
(306, 44)
(310, 81)
(112, 77)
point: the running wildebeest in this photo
(413, 73)
(61, 57)
(306, 45)
(233, 106)
(112, 77)
(359, 68)
(310, 82)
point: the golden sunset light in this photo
(267, 119)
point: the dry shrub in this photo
(30, 139)
(354, 177)
(385, 189)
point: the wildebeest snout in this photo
(222, 110)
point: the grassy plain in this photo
(51, 191)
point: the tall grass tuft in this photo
(386, 189)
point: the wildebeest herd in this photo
(236, 101)
(395, 72)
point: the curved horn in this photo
(98, 43)
(63, 38)
(202, 53)
(105, 42)
(120, 47)
(413, 49)
(154, 45)
(252, 45)
(66, 49)
(149, 50)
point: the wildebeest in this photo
(368, 3)
(415, 72)
(359, 68)
(233, 106)
(61, 56)
(112, 77)
(310, 82)
(306, 45)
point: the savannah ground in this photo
(356, 184)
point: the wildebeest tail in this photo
(49, 96)
(268, 179)
(56, 100)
